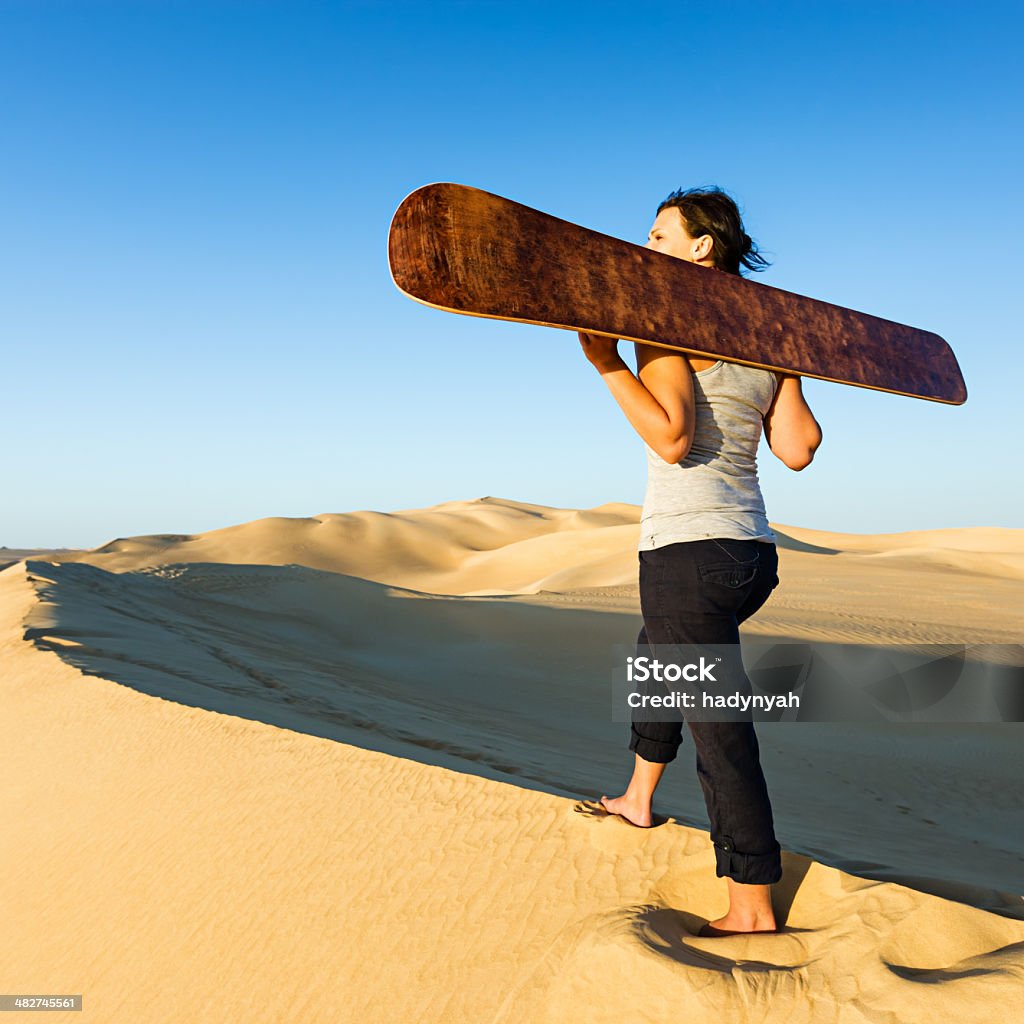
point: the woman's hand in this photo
(602, 351)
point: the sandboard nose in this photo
(417, 238)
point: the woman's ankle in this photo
(752, 904)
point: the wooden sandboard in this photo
(467, 251)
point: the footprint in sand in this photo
(679, 976)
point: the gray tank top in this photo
(714, 490)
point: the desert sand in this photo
(342, 768)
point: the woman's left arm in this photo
(659, 404)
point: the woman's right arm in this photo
(792, 432)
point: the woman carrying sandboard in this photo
(707, 556)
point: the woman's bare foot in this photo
(635, 804)
(636, 810)
(750, 909)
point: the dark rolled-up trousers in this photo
(698, 592)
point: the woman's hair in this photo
(711, 211)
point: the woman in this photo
(707, 554)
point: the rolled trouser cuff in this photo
(746, 868)
(658, 751)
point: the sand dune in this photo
(487, 546)
(988, 551)
(303, 768)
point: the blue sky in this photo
(199, 327)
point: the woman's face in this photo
(668, 234)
